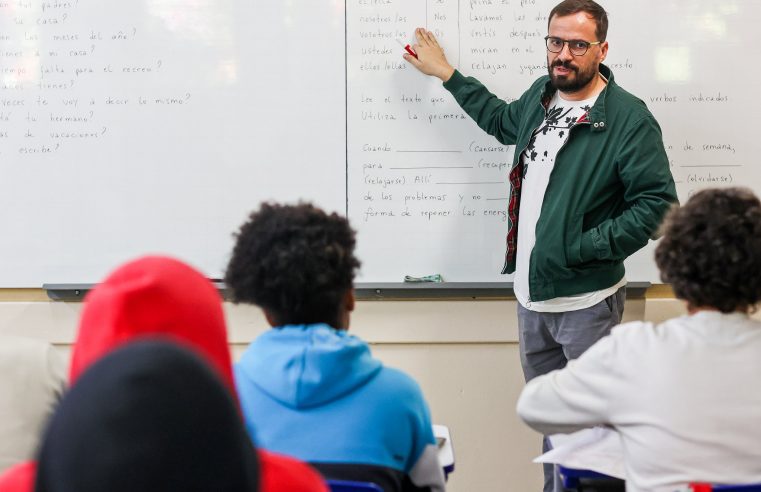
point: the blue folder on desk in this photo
(572, 479)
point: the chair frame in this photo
(351, 486)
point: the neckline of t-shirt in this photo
(588, 101)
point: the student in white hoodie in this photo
(32, 381)
(683, 394)
(307, 388)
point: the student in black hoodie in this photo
(148, 417)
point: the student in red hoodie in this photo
(158, 296)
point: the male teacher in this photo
(589, 184)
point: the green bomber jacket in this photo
(608, 191)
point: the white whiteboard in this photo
(183, 117)
(448, 197)
(227, 103)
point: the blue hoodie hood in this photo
(305, 366)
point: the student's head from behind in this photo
(150, 416)
(153, 296)
(297, 263)
(711, 250)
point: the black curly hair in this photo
(294, 261)
(711, 250)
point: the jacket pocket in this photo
(573, 240)
(580, 244)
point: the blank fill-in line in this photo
(713, 165)
(434, 167)
(474, 183)
(495, 199)
(445, 151)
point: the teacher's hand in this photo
(430, 57)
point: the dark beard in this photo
(569, 85)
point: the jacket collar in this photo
(597, 116)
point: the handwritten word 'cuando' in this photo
(385, 147)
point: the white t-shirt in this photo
(683, 395)
(538, 162)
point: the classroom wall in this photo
(463, 353)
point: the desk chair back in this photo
(347, 486)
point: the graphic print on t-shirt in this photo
(557, 123)
(538, 161)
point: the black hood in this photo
(148, 417)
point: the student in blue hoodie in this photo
(307, 387)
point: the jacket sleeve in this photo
(425, 473)
(575, 397)
(649, 191)
(493, 115)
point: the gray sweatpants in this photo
(549, 340)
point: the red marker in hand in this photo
(407, 48)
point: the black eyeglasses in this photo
(578, 47)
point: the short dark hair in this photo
(295, 261)
(590, 7)
(711, 249)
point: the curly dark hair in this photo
(294, 261)
(589, 7)
(711, 250)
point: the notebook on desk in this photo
(446, 451)
(598, 449)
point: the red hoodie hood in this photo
(149, 297)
